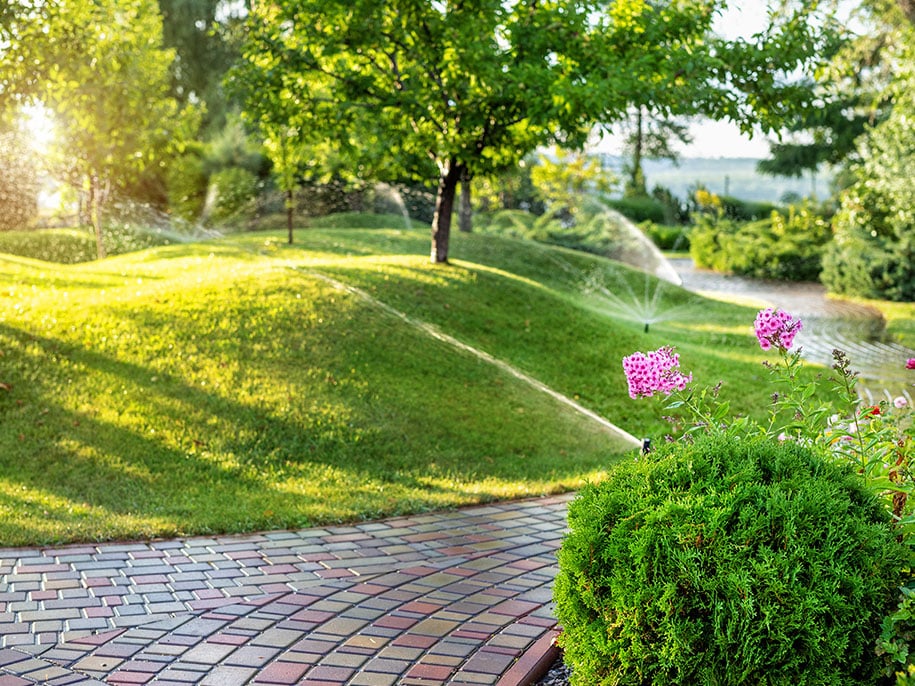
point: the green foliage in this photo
(666, 237)
(585, 226)
(640, 209)
(897, 637)
(187, 186)
(70, 246)
(873, 255)
(786, 247)
(111, 101)
(18, 182)
(745, 210)
(726, 561)
(511, 189)
(64, 246)
(675, 210)
(358, 220)
(200, 33)
(235, 190)
(398, 88)
(562, 179)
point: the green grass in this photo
(69, 246)
(226, 387)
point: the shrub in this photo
(359, 220)
(726, 561)
(787, 246)
(235, 191)
(667, 237)
(675, 210)
(640, 209)
(746, 210)
(70, 246)
(65, 246)
(187, 187)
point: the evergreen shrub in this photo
(726, 561)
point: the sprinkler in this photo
(646, 327)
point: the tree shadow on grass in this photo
(124, 456)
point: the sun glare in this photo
(38, 123)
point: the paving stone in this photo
(229, 676)
(282, 673)
(440, 588)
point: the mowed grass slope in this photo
(227, 386)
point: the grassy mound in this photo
(227, 386)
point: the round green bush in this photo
(726, 562)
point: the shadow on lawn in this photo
(198, 461)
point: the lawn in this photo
(228, 386)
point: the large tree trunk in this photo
(444, 206)
(465, 211)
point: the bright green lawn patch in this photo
(226, 387)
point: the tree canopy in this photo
(474, 85)
(110, 93)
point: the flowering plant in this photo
(878, 441)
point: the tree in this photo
(21, 47)
(563, 178)
(851, 95)
(474, 85)
(650, 138)
(873, 251)
(110, 97)
(200, 32)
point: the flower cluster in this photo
(657, 371)
(776, 327)
(910, 363)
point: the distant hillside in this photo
(735, 176)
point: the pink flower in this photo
(655, 371)
(900, 402)
(910, 363)
(776, 327)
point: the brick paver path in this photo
(458, 597)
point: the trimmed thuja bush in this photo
(722, 561)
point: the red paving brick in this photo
(221, 612)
